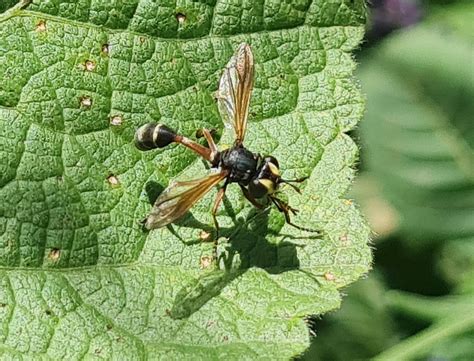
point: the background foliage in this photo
(417, 189)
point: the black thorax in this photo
(241, 163)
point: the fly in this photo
(258, 176)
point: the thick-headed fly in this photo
(258, 176)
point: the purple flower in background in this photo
(389, 15)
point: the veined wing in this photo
(179, 197)
(235, 88)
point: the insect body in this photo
(258, 176)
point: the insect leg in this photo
(290, 181)
(210, 141)
(200, 133)
(285, 208)
(297, 180)
(251, 199)
(215, 208)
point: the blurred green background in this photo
(416, 188)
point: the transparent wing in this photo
(235, 88)
(179, 197)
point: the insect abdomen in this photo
(152, 135)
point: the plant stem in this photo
(420, 344)
(428, 308)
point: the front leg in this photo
(285, 208)
(210, 141)
(251, 199)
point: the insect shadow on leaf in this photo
(153, 190)
(247, 247)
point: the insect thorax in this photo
(241, 163)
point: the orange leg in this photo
(210, 141)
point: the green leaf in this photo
(457, 262)
(418, 131)
(6, 4)
(79, 277)
(451, 329)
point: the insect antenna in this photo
(291, 181)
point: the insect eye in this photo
(271, 159)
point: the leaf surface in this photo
(79, 277)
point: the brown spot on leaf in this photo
(205, 262)
(329, 276)
(89, 65)
(113, 180)
(116, 120)
(54, 254)
(204, 236)
(345, 241)
(41, 26)
(105, 49)
(180, 18)
(86, 101)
